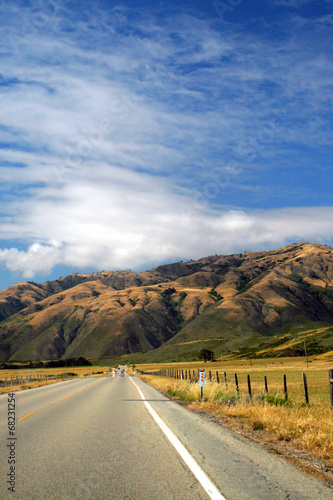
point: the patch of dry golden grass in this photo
(28, 385)
(228, 363)
(58, 373)
(308, 428)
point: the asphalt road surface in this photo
(101, 438)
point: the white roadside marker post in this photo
(202, 382)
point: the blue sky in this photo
(135, 133)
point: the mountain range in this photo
(268, 303)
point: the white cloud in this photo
(37, 259)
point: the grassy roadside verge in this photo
(60, 374)
(290, 427)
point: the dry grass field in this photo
(57, 373)
(308, 427)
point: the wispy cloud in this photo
(298, 3)
(129, 137)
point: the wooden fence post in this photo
(217, 377)
(237, 386)
(266, 385)
(330, 377)
(305, 385)
(225, 380)
(210, 376)
(285, 389)
(249, 386)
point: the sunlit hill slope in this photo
(263, 303)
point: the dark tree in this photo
(206, 355)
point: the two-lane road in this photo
(98, 439)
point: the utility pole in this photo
(306, 355)
(221, 350)
(248, 353)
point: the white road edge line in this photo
(201, 476)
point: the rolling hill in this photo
(260, 303)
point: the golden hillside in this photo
(256, 301)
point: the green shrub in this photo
(274, 399)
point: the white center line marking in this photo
(201, 476)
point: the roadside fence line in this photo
(193, 377)
(30, 378)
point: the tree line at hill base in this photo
(60, 363)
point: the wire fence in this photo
(232, 381)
